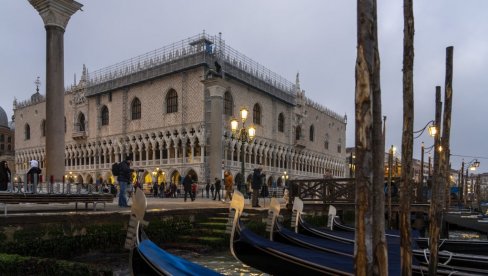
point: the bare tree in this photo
(371, 256)
(407, 138)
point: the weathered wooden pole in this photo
(371, 256)
(421, 176)
(446, 127)
(435, 211)
(407, 184)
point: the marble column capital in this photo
(216, 87)
(56, 12)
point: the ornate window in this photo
(27, 132)
(312, 133)
(81, 122)
(105, 116)
(281, 122)
(172, 101)
(2, 138)
(135, 108)
(43, 128)
(256, 114)
(339, 145)
(65, 124)
(228, 104)
(298, 133)
(326, 141)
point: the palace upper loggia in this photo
(170, 109)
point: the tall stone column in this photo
(55, 14)
(216, 89)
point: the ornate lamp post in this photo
(244, 135)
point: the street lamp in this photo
(430, 126)
(285, 179)
(471, 165)
(244, 135)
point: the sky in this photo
(316, 38)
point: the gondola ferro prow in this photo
(138, 210)
(273, 213)
(297, 212)
(330, 217)
(235, 211)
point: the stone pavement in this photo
(153, 204)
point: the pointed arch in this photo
(104, 115)
(256, 114)
(312, 133)
(228, 104)
(281, 122)
(27, 132)
(135, 108)
(172, 101)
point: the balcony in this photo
(300, 144)
(79, 132)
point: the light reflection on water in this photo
(226, 264)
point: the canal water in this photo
(225, 263)
(222, 262)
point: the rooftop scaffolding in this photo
(187, 53)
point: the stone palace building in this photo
(170, 109)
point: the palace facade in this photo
(170, 109)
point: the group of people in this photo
(189, 187)
(6, 175)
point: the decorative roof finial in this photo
(297, 81)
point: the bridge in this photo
(318, 194)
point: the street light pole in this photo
(244, 135)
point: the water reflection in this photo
(226, 264)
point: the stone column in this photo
(55, 14)
(216, 89)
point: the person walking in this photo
(257, 182)
(217, 188)
(124, 178)
(212, 189)
(4, 176)
(187, 181)
(34, 174)
(228, 184)
(207, 189)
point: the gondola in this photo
(277, 258)
(467, 247)
(281, 259)
(476, 264)
(146, 258)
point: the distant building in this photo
(7, 140)
(159, 108)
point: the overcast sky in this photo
(314, 37)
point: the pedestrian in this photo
(162, 189)
(228, 184)
(257, 183)
(217, 188)
(124, 178)
(187, 182)
(212, 189)
(34, 173)
(155, 189)
(4, 176)
(207, 189)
